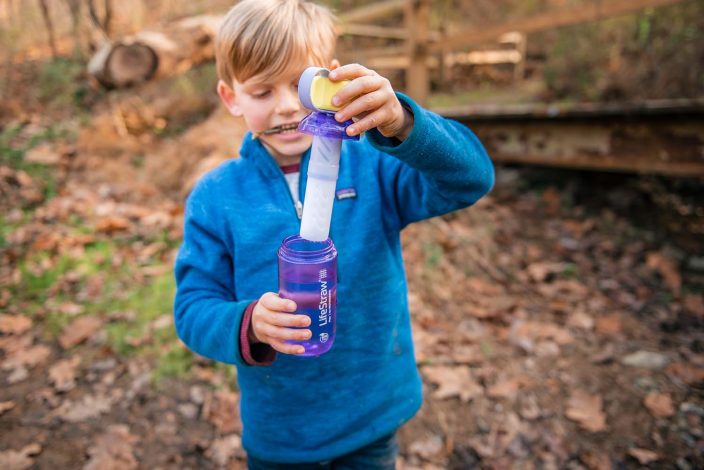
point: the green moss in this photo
(432, 254)
(176, 362)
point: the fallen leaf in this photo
(113, 450)
(659, 404)
(42, 154)
(467, 354)
(69, 308)
(6, 406)
(164, 321)
(427, 448)
(79, 330)
(508, 388)
(643, 456)
(63, 374)
(112, 224)
(605, 355)
(540, 271)
(453, 381)
(224, 449)
(12, 344)
(26, 357)
(609, 325)
(586, 409)
(17, 375)
(525, 334)
(223, 412)
(596, 461)
(667, 269)
(694, 303)
(581, 320)
(88, 407)
(686, 373)
(14, 324)
(19, 460)
(529, 408)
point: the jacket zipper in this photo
(297, 205)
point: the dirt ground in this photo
(559, 323)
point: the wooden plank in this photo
(552, 19)
(388, 51)
(417, 20)
(372, 12)
(374, 31)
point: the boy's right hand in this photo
(272, 322)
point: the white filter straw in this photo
(320, 188)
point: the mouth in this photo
(289, 128)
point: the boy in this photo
(342, 409)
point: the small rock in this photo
(197, 395)
(605, 356)
(188, 410)
(687, 407)
(427, 448)
(696, 263)
(646, 360)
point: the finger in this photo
(358, 86)
(286, 319)
(275, 303)
(368, 122)
(285, 334)
(358, 108)
(287, 348)
(349, 72)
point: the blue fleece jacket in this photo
(309, 409)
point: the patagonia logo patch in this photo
(346, 193)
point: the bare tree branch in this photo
(49, 26)
(104, 24)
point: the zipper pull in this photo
(299, 209)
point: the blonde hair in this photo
(266, 36)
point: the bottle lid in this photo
(325, 125)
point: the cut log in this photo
(153, 54)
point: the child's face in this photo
(271, 104)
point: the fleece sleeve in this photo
(439, 168)
(208, 317)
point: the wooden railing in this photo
(422, 48)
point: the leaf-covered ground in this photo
(559, 323)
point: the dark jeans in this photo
(379, 455)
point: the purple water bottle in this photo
(308, 276)
(308, 262)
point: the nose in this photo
(288, 102)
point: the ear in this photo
(228, 98)
(334, 64)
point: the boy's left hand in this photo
(370, 98)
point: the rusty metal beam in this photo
(665, 137)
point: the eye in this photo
(262, 94)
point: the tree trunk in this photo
(49, 27)
(153, 54)
(74, 7)
(104, 24)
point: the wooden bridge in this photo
(663, 136)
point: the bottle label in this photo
(324, 314)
